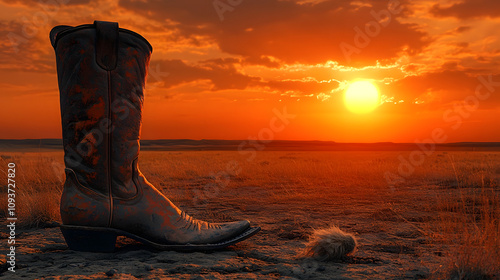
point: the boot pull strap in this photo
(106, 45)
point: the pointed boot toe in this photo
(232, 229)
(101, 71)
(226, 231)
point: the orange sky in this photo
(220, 68)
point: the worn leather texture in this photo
(101, 109)
(101, 73)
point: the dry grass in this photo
(469, 218)
(463, 191)
(39, 180)
(330, 244)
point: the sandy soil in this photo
(390, 246)
(288, 194)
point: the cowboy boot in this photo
(101, 73)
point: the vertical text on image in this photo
(11, 215)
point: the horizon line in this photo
(275, 140)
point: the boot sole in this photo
(95, 239)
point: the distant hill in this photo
(33, 145)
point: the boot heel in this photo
(89, 240)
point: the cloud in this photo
(50, 4)
(468, 9)
(220, 72)
(304, 86)
(323, 97)
(310, 32)
(266, 61)
(289, 47)
(441, 88)
(24, 49)
(223, 74)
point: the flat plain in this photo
(434, 218)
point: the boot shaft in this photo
(101, 72)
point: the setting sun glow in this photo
(351, 71)
(361, 97)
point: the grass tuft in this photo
(330, 244)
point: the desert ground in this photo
(438, 220)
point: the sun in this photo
(361, 97)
